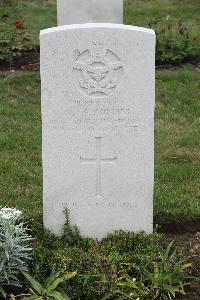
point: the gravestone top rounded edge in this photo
(97, 25)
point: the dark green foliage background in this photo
(177, 26)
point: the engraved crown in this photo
(98, 50)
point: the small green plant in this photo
(15, 247)
(12, 43)
(127, 288)
(176, 44)
(71, 233)
(163, 279)
(49, 290)
(168, 276)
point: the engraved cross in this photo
(98, 160)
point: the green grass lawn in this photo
(40, 14)
(35, 14)
(177, 168)
(177, 157)
(141, 12)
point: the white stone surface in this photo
(89, 11)
(98, 127)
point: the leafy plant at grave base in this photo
(13, 43)
(71, 234)
(15, 248)
(123, 265)
(175, 44)
(163, 280)
(50, 289)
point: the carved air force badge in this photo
(98, 70)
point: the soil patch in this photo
(26, 61)
(32, 60)
(178, 226)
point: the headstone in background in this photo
(98, 127)
(89, 11)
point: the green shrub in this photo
(162, 279)
(104, 268)
(175, 44)
(13, 43)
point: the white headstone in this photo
(98, 127)
(89, 11)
